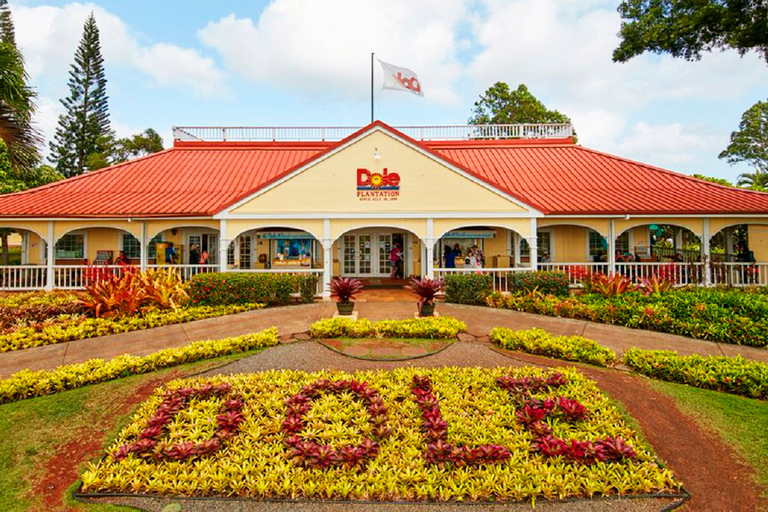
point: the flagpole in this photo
(372, 86)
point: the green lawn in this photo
(740, 422)
(35, 431)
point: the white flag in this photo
(400, 79)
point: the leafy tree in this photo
(84, 129)
(685, 28)
(750, 144)
(500, 105)
(753, 180)
(141, 144)
(719, 181)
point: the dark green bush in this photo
(467, 288)
(548, 283)
(240, 288)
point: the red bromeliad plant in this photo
(427, 289)
(311, 454)
(535, 411)
(344, 289)
(149, 444)
(439, 451)
(612, 285)
(654, 285)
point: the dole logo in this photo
(409, 82)
(367, 180)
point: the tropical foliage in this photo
(28, 384)
(750, 145)
(716, 314)
(214, 288)
(734, 375)
(409, 434)
(569, 348)
(428, 328)
(464, 288)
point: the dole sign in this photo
(377, 186)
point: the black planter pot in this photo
(427, 310)
(345, 308)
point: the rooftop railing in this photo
(332, 133)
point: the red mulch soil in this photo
(59, 472)
(709, 469)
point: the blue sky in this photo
(307, 63)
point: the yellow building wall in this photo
(599, 225)
(156, 226)
(103, 240)
(758, 241)
(425, 184)
(35, 244)
(693, 224)
(570, 243)
(238, 226)
(61, 228)
(339, 227)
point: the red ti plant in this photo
(344, 289)
(612, 285)
(427, 289)
(654, 285)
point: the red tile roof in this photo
(555, 177)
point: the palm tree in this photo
(16, 108)
(754, 180)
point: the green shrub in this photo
(467, 288)
(308, 288)
(213, 288)
(722, 315)
(441, 327)
(548, 283)
(569, 348)
(734, 375)
(28, 384)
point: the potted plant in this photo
(344, 289)
(426, 289)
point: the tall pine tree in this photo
(84, 131)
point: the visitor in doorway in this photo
(194, 254)
(204, 257)
(170, 254)
(448, 256)
(545, 257)
(457, 252)
(122, 259)
(395, 257)
(479, 256)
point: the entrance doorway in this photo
(365, 253)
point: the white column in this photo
(533, 243)
(49, 281)
(678, 239)
(705, 253)
(223, 245)
(327, 243)
(430, 246)
(144, 254)
(612, 246)
(516, 238)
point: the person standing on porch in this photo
(395, 257)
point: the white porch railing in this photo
(74, 277)
(500, 276)
(330, 133)
(22, 277)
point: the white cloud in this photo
(48, 37)
(323, 48)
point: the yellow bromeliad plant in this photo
(410, 434)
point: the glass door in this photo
(385, 246)
(364, 264)
(349, 267)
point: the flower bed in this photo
(212, 288)
(733, 375)
(71, 328)
(410, 434)
(441, 327)
(28, 384)
(569, 348)
(722, 315)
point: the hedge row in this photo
(82, 328)
(28, 384)
(441, 327)
(734, 375)
(212, 288)
(725, 316)
(569, 348)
